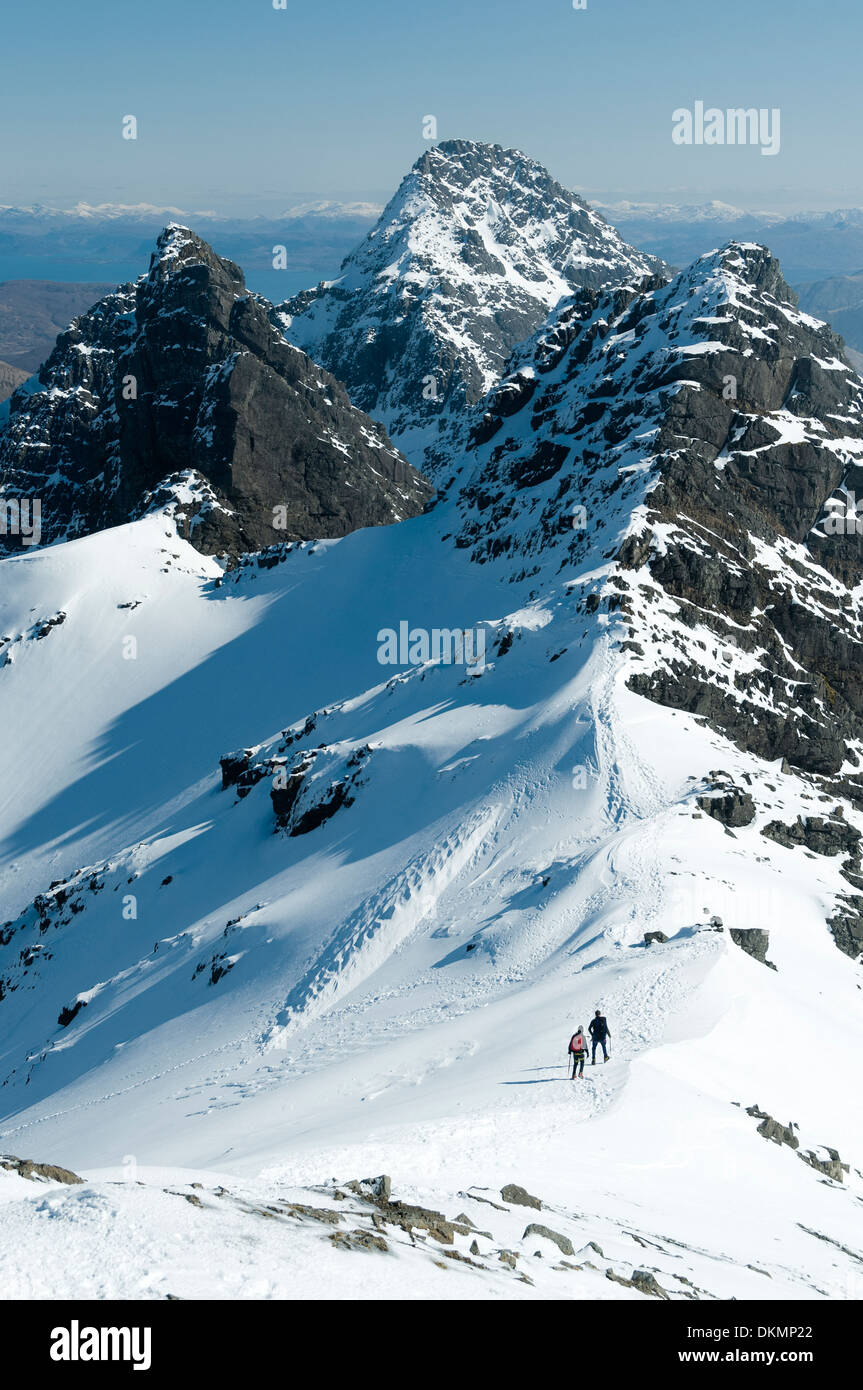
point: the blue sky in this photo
(245, 109)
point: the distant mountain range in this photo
(714, 211)
(35, 240)
(98, 246)
(42, 213)
(107, 243)
(810, 245)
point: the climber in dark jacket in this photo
(599, 1031)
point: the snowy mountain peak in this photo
(739, 265)
(466, 260)
(178, 242)
(185, 375)
(178, 247)
(477, 175)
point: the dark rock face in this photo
(831, 836)
(846, 925)
(651, 936)
(307, 795)
(730, 805)
(466, 261)
(60, 442)
(716, 565)
(307, 787)
(180, 388)
(234, 767)
(70, 1012)
(49, 624)
(754, 942)
(734, 425)
(815, 833)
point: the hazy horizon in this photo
(230, 117)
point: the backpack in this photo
(576, 1043)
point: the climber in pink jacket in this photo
(578, 1048)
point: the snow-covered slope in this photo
(360, 943)
(466, 260)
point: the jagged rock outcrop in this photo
(38, 1172)
(466, 260)
(642, 1279)
(846, 924)
(754, 941)
(180, 389)
(730, 805)
(376, 1192)
(308, 787)
(518, 1196)
(820, 835)
(831, 836)
(563, 1243)
(831, 1167)
(70, 1012)
(772, 1129)
(699, 436)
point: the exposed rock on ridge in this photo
(180, 388)
(467, 259)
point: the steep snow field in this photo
(394, 990)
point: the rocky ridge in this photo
(180, 390)
(471, 253)
(699, 439)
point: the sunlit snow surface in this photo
(537, 812)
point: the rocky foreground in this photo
(173, 1238)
